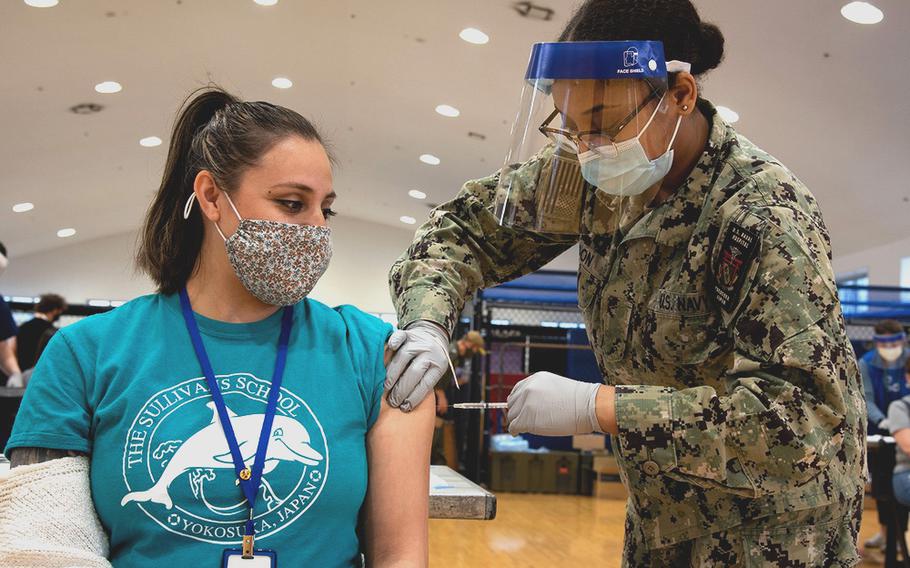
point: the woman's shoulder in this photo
(764, 213)
(764, 199)
(761, 184)
(346, 318)
(363, 336)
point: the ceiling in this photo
(824, 95)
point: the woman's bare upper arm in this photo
(397, 503)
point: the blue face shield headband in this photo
(892, 338)
(601, 60)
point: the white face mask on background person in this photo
(624, 168)
(890, 354)
(278, 263)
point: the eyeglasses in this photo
(592, 138)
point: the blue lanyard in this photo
(249, 478)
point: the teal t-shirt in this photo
(127, 388)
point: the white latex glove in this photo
(421, 358)
(15, 381)
(884, 425)
(550, 405)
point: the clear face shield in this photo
(594, 116)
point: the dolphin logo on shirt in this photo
(208, 448)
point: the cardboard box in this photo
(608, 486)
(589, 442)
(606, 464)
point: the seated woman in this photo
(229, 395)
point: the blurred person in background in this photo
(8, 363)
(34, 334)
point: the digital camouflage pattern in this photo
(739, 400)
(821, 537)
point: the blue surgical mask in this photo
(624, 168)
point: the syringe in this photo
(481, 405)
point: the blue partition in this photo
(875, 302)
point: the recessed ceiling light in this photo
(282, 83)
(407, 220)
(727, 114)
(862, 13)
(473, 35)
(417, 194)
(23, 207)
(429, 159)
(447, 110)
(266, 2)
(64, 233)
(108, 87)
(42, 3)
(150, 141)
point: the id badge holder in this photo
(262, 558)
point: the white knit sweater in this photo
(47, 518)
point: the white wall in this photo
(883, 263)
(79, 271)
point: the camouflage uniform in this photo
(738, 397)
